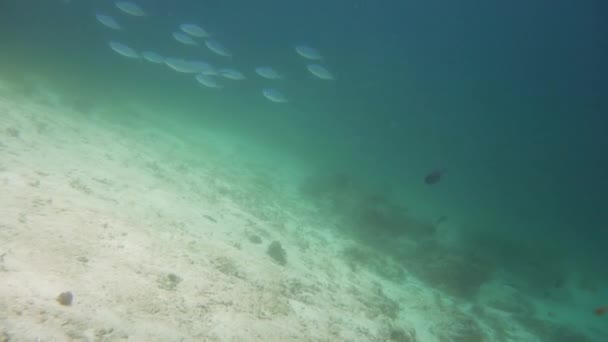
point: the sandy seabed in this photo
(157, 243)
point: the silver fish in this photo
(184, 38)
(203, 67)
(152, 57)
(231, 74)
(217, 48)
(123, 49)
(108, 21)
(308, 52)
(207, 81)
(274, 95)
(320, 71)
(194, 30)
(268, 73)
(130, 7)
(181, 65)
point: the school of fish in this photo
(193, 35)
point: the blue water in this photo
(510, 98)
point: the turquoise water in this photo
(509, 98)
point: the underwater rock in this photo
(276, 252)
(65, 298)
(169, 282)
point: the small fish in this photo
(184, 38)
(108, 21)
(152, 57)
(181, 65)
(217, 48)
(308, 52)
(207, 81)
(434, 177)
(231, 74)
(203, 67)
(194, 30)
(274, 95)
(601, 310)
(268, 73)
(320, 71)
(130, 7)
(123, 49)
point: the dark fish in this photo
(601, 310)
(433, 177)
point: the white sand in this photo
(108, 212)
